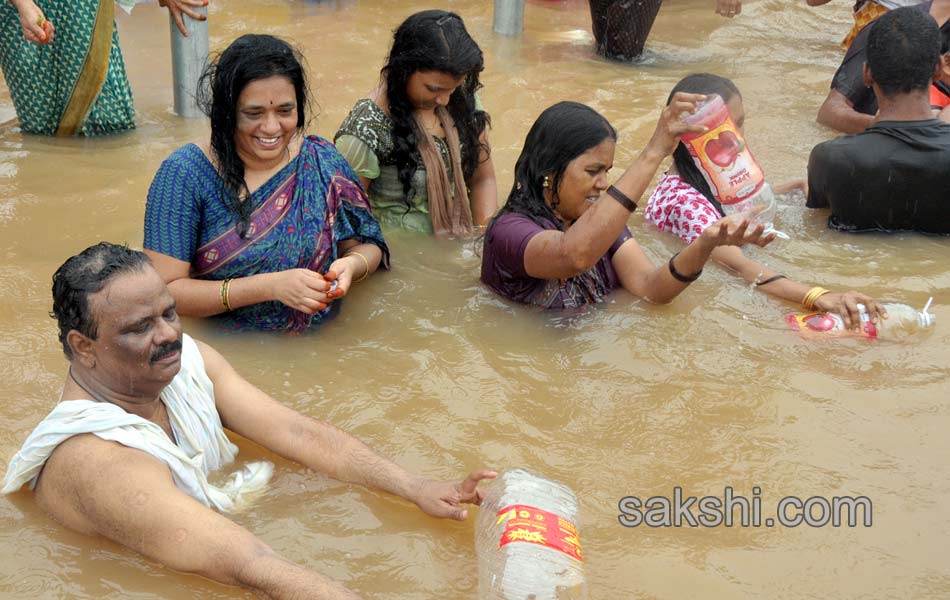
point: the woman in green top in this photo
(419, 142)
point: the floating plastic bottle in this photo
(527, 542)
(901, 320)
(727, 164)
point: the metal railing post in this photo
(509, 17)
(189, 59)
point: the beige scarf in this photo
(450, 214)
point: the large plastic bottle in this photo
(727, 164)
(901, 320)
(527, 542)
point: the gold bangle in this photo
(812, 296)
(365, 262)
(808, 300)
(225, 299)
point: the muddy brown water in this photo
(429, 368)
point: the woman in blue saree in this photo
(263, 228)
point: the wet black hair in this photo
(700, 83)
(903, 50)
(561, 133)
(434, 40)
(82, 275)
(248, 58)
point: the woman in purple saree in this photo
(264, 228)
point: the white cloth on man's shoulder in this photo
(202, 444)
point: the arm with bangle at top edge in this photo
(779, 286)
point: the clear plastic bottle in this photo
(763, 197)
(527, 542)
(901, 320)
(727, 164)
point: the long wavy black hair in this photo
(248, 58)
(560, 134)
(434, 40)
(700, 83)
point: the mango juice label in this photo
(724, 159)
(535, 526)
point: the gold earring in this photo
(547, 182)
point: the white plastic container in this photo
(901, 320)
(527, 542)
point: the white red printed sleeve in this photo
(679, 208)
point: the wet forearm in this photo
(327, 449)
(754, 272)
(364, 259)
(484, 200)
(839, 115)
(204, 298)
(662, 287)
(281, 579)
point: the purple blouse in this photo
(504, 272)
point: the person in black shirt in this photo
(895, 174)
(850, 105)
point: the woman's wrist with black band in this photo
(679, 276)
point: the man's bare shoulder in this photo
(85, 467)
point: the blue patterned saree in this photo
(299, 216)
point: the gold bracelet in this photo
(812, 296)
(809, 300)
(365, 262)
(225, 299)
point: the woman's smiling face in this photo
(266, 119)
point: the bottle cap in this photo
(926, 319)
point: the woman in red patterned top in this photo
(684, 205)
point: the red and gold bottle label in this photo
(830, 324)
(536, 526)
(724, 158)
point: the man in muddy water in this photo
(851, 104)
(894, 174)
(140, 424)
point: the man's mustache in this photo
(165, 349)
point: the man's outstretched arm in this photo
(325, 448)
(95, 486)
